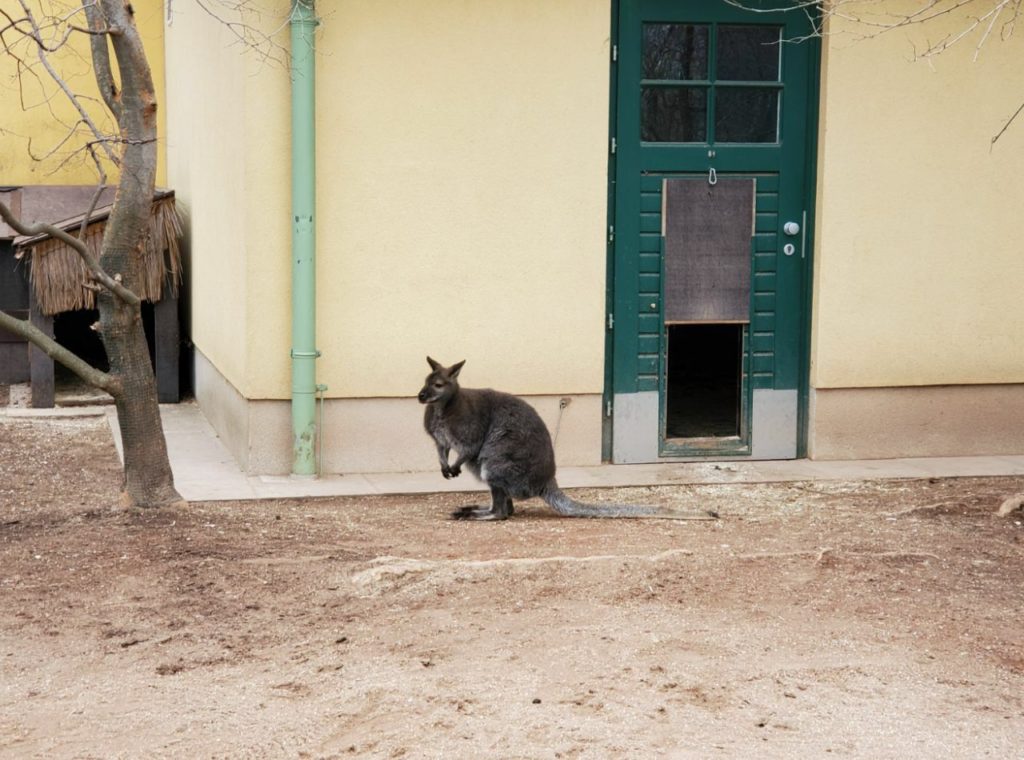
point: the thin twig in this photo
(41, 51)
(1006, 125)
(92, 207)
(101, 58)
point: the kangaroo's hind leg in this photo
(500, 509)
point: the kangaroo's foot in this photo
(480, 514)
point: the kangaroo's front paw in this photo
(446, 471)
(455, 470)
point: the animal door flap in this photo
(707, 232)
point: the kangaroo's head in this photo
(441, 384)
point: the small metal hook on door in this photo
(712, 176)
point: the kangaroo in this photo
(503, 441)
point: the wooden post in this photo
(167, 348)
(13, 300)
(40, 365)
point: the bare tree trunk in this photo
(148, 479)
(126, 88)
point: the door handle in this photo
(791, 228)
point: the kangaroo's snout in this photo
(422, 396)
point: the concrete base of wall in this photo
(369, 435)
(637, 428)
(930, 421)
(386, 434)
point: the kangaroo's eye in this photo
(439, 385)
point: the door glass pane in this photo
(748, 53)
(673, 114)
(746, 114)
(675, 51)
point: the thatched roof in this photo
(57, 271)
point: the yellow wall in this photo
(35, 108)
(462, 189)
(462, 159)
(919, 268)
(229, 163)
(461, 180)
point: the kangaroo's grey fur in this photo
(503, 441)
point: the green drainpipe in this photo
(303, 24)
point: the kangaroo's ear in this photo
(453, 371)
(434, 365)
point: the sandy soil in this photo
(868, 620)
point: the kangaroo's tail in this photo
(568, 507)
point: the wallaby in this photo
(503, 441)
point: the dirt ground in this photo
(868, 619)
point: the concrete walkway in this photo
(205, 471)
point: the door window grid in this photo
(710, 83)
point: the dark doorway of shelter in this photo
(704, 381)
(73, 330)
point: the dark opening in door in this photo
(73, 330)
(704, 381)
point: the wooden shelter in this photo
(41, 277)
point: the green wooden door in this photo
(708, 92)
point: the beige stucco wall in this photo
(462, 159)
(33, 109)
(370, 434)
(462, 185)
(919, 266)
(922, 421)
(228, 159)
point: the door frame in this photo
(806, 295)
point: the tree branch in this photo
(1006, 126)
(56, 351)
(246, 33)
(42, 50)
(984, 19)
(880, 20)
(128, 223)
(84, 226)
(98, 274)
(101, 57)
